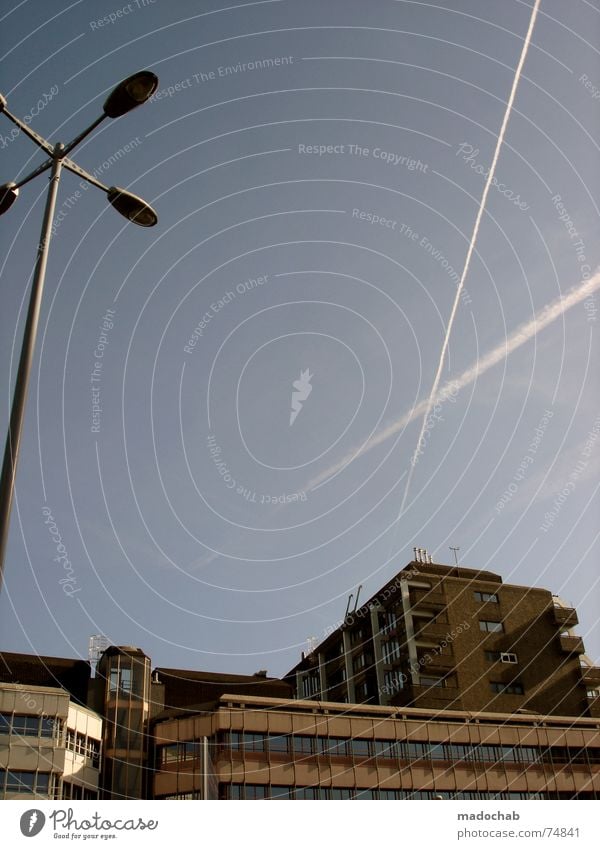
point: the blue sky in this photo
(317, 170)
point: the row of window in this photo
(176, 752)
(82, 745)
(26, 725)
(20, 781)
(274, 791)
(76, 791)
(405, 750)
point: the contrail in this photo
(480, 212)
(519, 337)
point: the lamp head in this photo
(130, 93)
(132, 207)
(9, 192)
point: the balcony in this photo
(591, 676)
(421, 599)
(431, 697)
(565, 617)
(436, 662)
(571, 645)
(431, 632)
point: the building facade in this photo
(442, 637)
(50, 747)
(247, 747)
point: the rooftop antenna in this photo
(97, 645)
(357, 595)
(455, 549)
(350, 597)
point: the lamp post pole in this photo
(129, 94)
(15, 427)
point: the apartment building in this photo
(441, 637)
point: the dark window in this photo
(386, 748)
(278, 743)
(4, 723)
(303, 745)
(492, 656)
(47, 726)
(361, 748)
(491, 626)
(430, 681)
(341, 793)
(254, 742)
(513, 689)
(283, 792)
(338, 746)
(28, 726)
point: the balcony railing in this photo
(427, 600)
(431, 631)
(571, 645)
(565, 617)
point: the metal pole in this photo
(13, 439)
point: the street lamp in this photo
(129, 94)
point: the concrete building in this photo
(442, 637)
(247, 747)
(49, 745)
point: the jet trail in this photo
(480, 212)
(517, 338)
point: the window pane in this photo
(47, 727)
(278, 743)
(19, 782)
(42, 784)
(4, 723)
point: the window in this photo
(253, 742)
(385, 748)
(190, 750)
(360, 748)
(508, 657)
(393, 682)
(492, 656)
(120, 679)
(513, 689)
(27, 726)
(310, 685)
(12, 781)
(491, 626)
(48, 725)
(359, 662)
(357, 636)
(303, 745)
(278, 743)
(339, 746)
(388, 621)
(431, 681)
(337, 677)
(341, 793)
(168, 754)
(492, 597)
(593, 692)
(390, 650)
